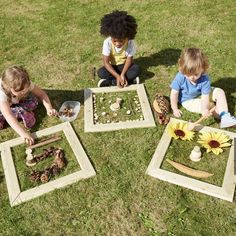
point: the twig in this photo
(191, 126)
(51, 140)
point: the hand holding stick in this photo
(191, 126)
(54, 139)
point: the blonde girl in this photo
(18, 100)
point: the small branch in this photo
(51, 140)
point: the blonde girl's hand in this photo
(29, 140)
(52, 112)
(177, 112)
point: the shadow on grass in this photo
(228, 84)
(59, 96)
(166, 57)
(1, 177)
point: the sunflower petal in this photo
(225, 145)
(217, 151)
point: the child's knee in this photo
(136, 69)
(102, 72)
(217, 93)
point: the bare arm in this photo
(108, 66)
(12, 121)
(128, 63)
(174, 94)
(38, 92)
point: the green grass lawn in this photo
(59, 44)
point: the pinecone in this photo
(35, 176)
(60, 159)
(55, 169)
(45, 176)
(162, 107)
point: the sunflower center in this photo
(179, 132)
(214, 144)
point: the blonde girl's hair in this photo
(192, 61)
(14, 77)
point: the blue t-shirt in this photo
(187, 90)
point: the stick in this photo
(51, 140)
(192, 126)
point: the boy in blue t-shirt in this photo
(191, 88)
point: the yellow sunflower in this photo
(214, 142)
(180, 131)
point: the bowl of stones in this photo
(69, 111)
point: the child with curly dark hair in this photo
(118, 50)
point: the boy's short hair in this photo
(119, 25)
(193, 61)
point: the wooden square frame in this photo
(89, 125)
(15, 195)
(225, 192)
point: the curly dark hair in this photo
(118, 24)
